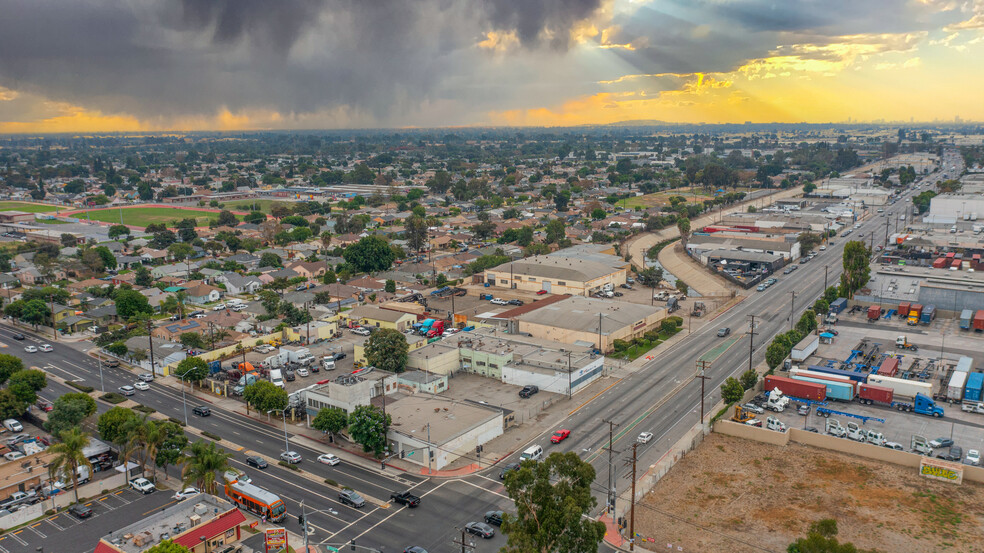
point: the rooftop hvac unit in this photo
(194, 520)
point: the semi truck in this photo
(915, 310)
(803, 390)
(858, 434)
(805, 348)
(834, 428)
(966, 318)
(902, 342)
(835, 390)
(921, 404)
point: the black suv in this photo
(494, 517)
(289, 375)
(955, 454)
(528, 391)
(80, 511)
(507, 469)
(515, 302)
(202, 411)
(17, 336)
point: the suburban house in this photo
(200, 293)
(370, 315)
(173, 331)
(237, 284)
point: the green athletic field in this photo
(144, 216)
(28, 207)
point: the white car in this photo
(894, 445)
(302, 372)
(644, 437)
(329, 459)
(13, 455)
(291, 457)
(141, 385)
(146, 377)
(142, 485)
(361, 331)
(498, 301)
(451, 332)
(265, 348)
(31, 349)
(973, 457)
(186, 493)
(46, 347)
(219, 307)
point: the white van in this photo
(277, 378)
(13, 425)
(532, 453)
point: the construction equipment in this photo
(742, 415)
(698, 309)
(902, 342)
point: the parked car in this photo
(528, 391)
(515, 302)
(146, 377)
(127, 390)
(480, 529)
(954, 453)
(218, 307)
(80, 511)
(644, 437)
(498, 301)
(351, 497)
(361, 331)
(142, 485)
(303, 372)
(328, 459)
(291, 457)
(45, 405)
(541, 292)
(258, 462)
(559, 436)
(973, 458)
(186, 493)
(338, 355)
(803, 410)
(940, 442)
(202, 410)
(894, 445)
(753, 408)
(493, 517)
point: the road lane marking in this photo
(578, 408)
(504, 496)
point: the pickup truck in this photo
(20, 498)
(972, 408)
(406, 498)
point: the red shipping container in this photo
(874, 312)
(951, 255)
(889, 367)
(956, 263)
(939, 263)
(979, 320)
(796, 388)
(904, 309)
(869, 394)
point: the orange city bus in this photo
(256, 500)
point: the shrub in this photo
(176, 421)
(112, 397)
(211, 436)
(331, 482)
(620, 345)
(81, 387)
(668, 326)
(677, 320)
(731, 390)
(145, 409)
(287, 465)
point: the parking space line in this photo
(16, 537)
(51, 521)
(2, 548)
(36, 531)
(106, 505)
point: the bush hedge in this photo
(81, 387)
(290, 466)
(112, 397)
(145, 409)
(211, 436)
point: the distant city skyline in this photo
(114, 65)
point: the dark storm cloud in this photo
(176, 58)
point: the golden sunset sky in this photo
(157, 65)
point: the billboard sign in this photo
(941, 470)
(275, 539)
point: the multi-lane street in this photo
(661, 398)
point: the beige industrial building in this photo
(588, 321)
(556, 274)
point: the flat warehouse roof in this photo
(581, 314)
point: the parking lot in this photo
(345, 344)
(64, 533)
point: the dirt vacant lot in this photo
(737, 496)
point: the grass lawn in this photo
(144, 216)
(662, 199)
(264, 205)
(50, 222)
(28, 207)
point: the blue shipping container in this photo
(838, 305)
(975, 382)
(835, 390)
(850, 375)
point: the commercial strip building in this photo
(568, 273)
(186, 523)
(949, 291)
(512, 359)
(370, 315)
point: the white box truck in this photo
(277, 378)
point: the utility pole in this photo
(429, 452)
(51, 305)
(611, 480)
(570, 391)
(465, 546)
(150, 342)
(308, 312)
(211, 333)
(632, 508)
(792, 308)
(751, 340)
(703, 365)
(304, 516)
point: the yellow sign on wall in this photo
(941, 470)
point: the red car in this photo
(45, 405)
(559, 436)
(541, 292)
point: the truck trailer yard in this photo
(734, 495)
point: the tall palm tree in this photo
(200, 467)
(181, 296)
(153, 439)
(69, 456)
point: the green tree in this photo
(69, 411)
(820, 538)
(26, 384)
(191, 369)
(856, 267)
(732, 390)
(37, 311)
(367, 427)
(682, 286)
(598, 214)
(113, 424)
(390, 286)
(116, 231)
(808, 241)
(69, 456)
(108, 259)
(11, 406)
(266, 397)
(650, 276)
(68, 240)
(143, 276)
(415, 232)
(683, 225)
(130, 302)
(831, 294)
(168, 546)
(9, 365)
(775, 353)
(748, 379)
(555, 231)
(552, 500)
(270, 259)
(204, 461)
(387, 349)
(370, 254)
(821, 306)
(192, 340)
(807, 323)
(171, 449)
(117, 348)
(331, 420)
(227, 218)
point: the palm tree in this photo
(69, 456)
(153, 438)
(181, 296)
(200, 467)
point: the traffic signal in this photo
(353, 545)
(403, 454)
(300, 519)
(382, 465)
